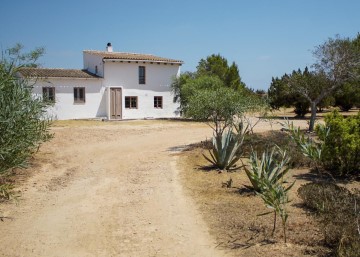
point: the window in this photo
(49, 94)
(131, 102)
(158, 102)
(141, 74)
(79, 95)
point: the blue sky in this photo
(265, 38)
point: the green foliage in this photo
(267, 177)
(177, 85)
(338, 147)
(226, 149)
(342, 144)
(210, 101)
(216, 95)
(272, 167)
(202, 83)
(279, 93)
(338, 212)
(23, 122)
(337, 63)
(307, 146)
(301, 107)
(348, 96)
(338, 59)
(283, 92)
(13, 58)
(216, 65)
(275, 197)
(326, 102)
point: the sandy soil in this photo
(108, 190)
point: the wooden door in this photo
(115, 103)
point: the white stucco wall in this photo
(158, 81)
(90, 61)
(65, 108)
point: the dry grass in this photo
(232, 213)
(95, 123)
(289, 112)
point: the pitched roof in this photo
(56, 73)
(132, 56)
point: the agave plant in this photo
(272, 166)
(267, 176)
(226, 150)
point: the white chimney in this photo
(109, 48)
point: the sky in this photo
(265, 38)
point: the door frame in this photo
(109, 105)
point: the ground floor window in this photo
(79, 95)
(49, 94)
(158, 102)
(131, 102)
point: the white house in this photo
(112, 85)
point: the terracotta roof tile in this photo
(132, 56)
(56, 73)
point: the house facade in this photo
(111, 85)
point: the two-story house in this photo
(112, 85)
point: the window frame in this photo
(78, 99)
(142, 75)
(158, 102)
(130, 101)
(47, 96)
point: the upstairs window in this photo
(131, 102)
(79, 95)
(141, 74)
(49, 94)
(158, 102)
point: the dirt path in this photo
(109, 190)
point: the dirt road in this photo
(110, 190)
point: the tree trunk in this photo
(313, 116)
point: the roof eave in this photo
(39, 77)
(140, 60)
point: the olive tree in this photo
(218, 106)
(222, 108)
(337, 61)
(23, 121)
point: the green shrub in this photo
(341, 149)
(337, 148)
(301, 108)
(23, 122)
(23, 125)
(261, 142)
(338, 212)
(347, 96)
